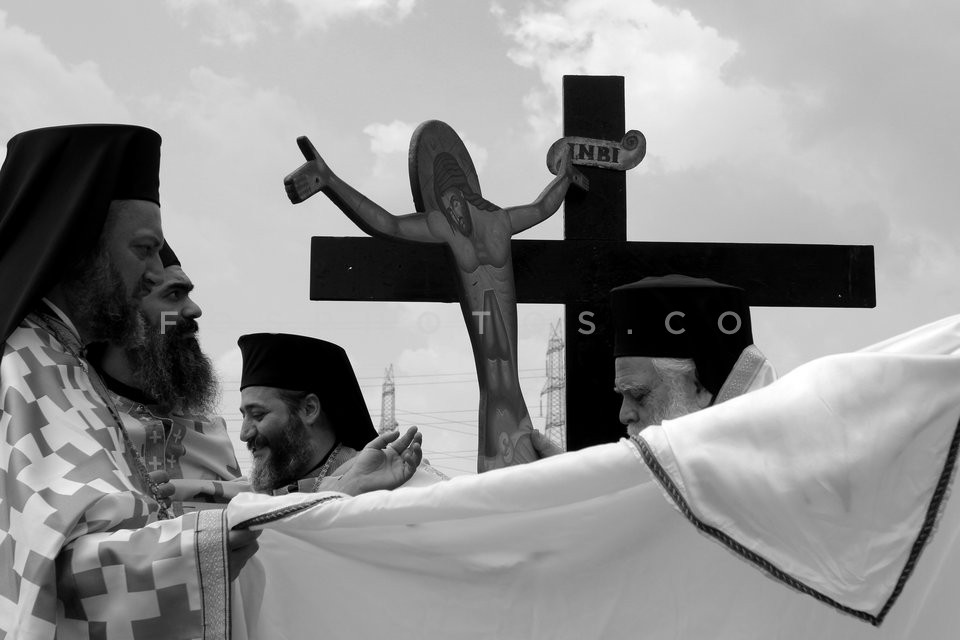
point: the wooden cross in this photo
(594, 257)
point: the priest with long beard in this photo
(166, 389)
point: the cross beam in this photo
(584, 271)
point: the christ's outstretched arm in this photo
(315, 175)
(548, 202)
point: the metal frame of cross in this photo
(594, 257)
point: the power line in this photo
(417, 413)
(530, 407)
(448, 457)
(397, 376)
(443, 374)
(472, 380)
(454, 471)
(472, 451)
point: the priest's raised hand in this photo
(386, 462)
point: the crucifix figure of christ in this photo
(595, 256)
(452, 212)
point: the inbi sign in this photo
(607, 154)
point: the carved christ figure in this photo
(478, 234)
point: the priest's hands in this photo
(208, 490)
(386, 462)
(165, 488)
(543, 446)
(241, 543)
(308, 178)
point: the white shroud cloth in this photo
(827, 481)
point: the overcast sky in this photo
(821, 121)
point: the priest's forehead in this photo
(129, 218)
(174, 279)
(261, 398)
(635, 373)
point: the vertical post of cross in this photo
(593, 107)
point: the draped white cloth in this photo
(761, 517)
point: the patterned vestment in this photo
(82, 554)
(194, 450)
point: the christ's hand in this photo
(310, 177)
(565, 168)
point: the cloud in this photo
(226, 108)
(879, 99)
(229, 366)
(226, 22)
(675, 91)
(389, 141)
(247, 136)
(240, 23)
(389, 138)
(320, 13)
(43, 91)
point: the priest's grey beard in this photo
(98, 302)
(171, 368)
(678, 403)
(291, 451)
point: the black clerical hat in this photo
(56, 185)
(681, 317)
(168, 257)
(299, 363)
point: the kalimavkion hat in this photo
(677, 316)
(168, 257)
(300, 363)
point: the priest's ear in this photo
(310, 411)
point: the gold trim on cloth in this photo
(744, 372)
(213, 563)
